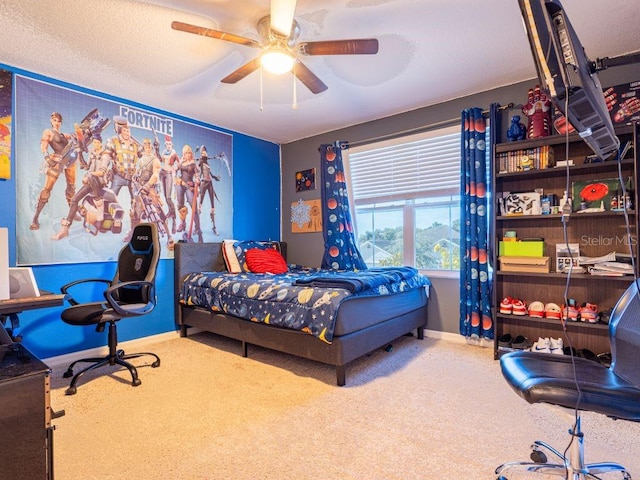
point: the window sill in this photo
(451, 274)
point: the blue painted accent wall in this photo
(256, 215)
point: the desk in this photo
(12, 307)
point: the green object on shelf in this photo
(521, 249)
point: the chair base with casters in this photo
(115, 357)
(553, 379)
(571, 467)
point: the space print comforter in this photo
(303, 299)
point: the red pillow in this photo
(265, 261)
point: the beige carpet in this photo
(428, 409)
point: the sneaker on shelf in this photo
(605, 359)
(505, 340)
(519, 307)
(506, 306)
(570, 311)
(556, 345)
(552, 310)
(605, 315)
(589, 313)
(543, 345)
(521, 343)
(536, 309)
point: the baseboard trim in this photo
(457, 338)
(130, 345)
(139, 343)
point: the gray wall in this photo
(307, 248)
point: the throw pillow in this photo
(242, 247)
(266, 261)
(229, 254)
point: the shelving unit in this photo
(597, 234)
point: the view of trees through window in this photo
(434, 231)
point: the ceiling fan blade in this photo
(208, 32)
(360, 46)
(308, 78)
(243, 71)
(282, 12)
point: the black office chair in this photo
(612, 391)
(131, 293)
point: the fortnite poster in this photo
(89, 169)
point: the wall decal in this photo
(306, 216)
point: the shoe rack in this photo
(597, 233)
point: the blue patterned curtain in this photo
(475, 291)
(340, 247)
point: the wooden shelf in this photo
(518, 218)
(552, 140)
(607, 166)
(552, 321)
(597, 233)
(574, 276)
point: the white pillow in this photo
(230, 258)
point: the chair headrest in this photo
(142, 239)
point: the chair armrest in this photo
(65, 288)
(130, 309)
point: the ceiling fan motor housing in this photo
(270, 37)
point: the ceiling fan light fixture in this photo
(277, 61)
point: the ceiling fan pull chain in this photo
(261, 96)
(294, 105)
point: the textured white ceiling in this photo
(430, 51)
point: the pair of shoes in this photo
(536, 309)
(589, 313)
(605, 359)
(588, 354)
(605, 315)
(519, 342)
(552, 310)
(505, 341)
(570, 311)
(548, 345)
(512, 306)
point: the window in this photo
(406, 194)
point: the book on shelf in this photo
(537, 158)
(611, 269)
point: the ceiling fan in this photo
(279, 34)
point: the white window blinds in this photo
(422, 165)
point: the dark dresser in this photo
(26, 434)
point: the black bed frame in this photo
(197, 257)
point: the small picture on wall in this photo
(306, 216)
(306, 180)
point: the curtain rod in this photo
(423, 128)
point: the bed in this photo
(362, 324)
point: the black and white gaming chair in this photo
(131, 293)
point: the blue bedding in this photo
(303, 299)
(373, 281)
